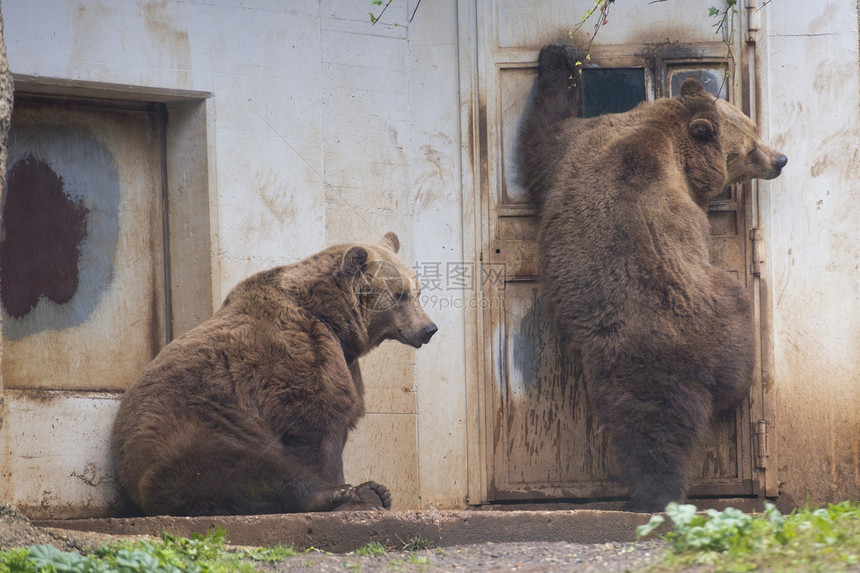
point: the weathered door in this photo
(83, 273)
(542, 436)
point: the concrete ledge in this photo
(342, 532)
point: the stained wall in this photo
(811, 94)
(307, 126)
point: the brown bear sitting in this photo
(666, 338)
(249, 412)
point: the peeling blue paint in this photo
(91, 178)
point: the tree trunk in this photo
(5, 118)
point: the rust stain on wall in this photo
(171, 44)
(42, 235)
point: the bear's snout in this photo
(418, 335)
(776, 169)
(428, 332)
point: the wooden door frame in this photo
(472, 114)
(475, 173)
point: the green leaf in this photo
(682, 515)
(653, 523)
(61, 561)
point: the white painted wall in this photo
(811, 88)
(55, 448)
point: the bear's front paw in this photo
(555, 65)
(374, 494)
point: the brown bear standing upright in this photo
(666, 337)
(249, 412)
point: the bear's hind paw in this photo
(369, 496)
(374, 494)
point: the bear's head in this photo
(388, 293)
(714, 119)
(747, 156)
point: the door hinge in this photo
(753, 25)
(757, 259)
(761, 453)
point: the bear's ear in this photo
(692, 87)
(391, 241)
(353, 260)
(702, 128)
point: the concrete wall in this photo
(811, 93)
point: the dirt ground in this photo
(17, 531)
(530, 556)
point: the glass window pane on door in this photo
(611, 90)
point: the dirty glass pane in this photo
(611, 90)
(712, 78)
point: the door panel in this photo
(550, 443)
(515, 88)
(85, 309)
(544, 436)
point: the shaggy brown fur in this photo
(666, 338)
(249, 412)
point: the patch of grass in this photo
(416, 542)
(422, 562)
(811, 539)
(203, 553)
(271, 554)
(371, 548)
(17, 561)
(170, 554)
